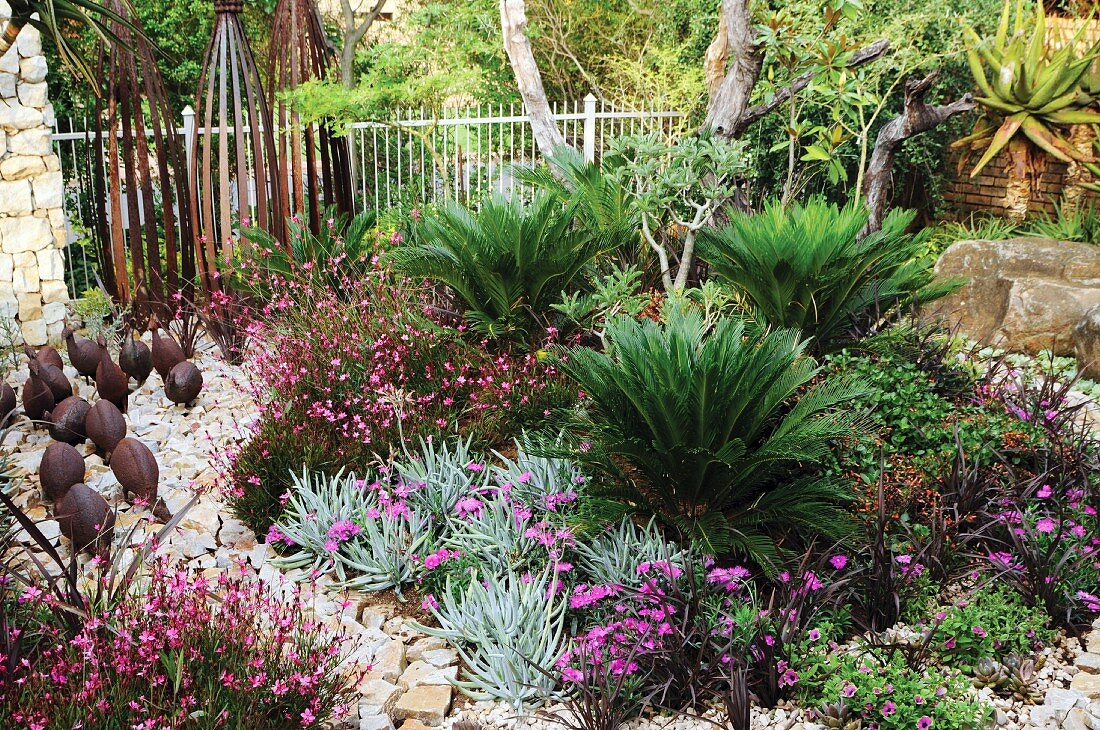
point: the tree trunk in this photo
(718, 52)
(1081, 138)
(353, 36)
(513, 23)
(729, 102)
(9, 36)
(916, 118)
(1018, 192)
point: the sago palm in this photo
(805, 267)
(714, 428)
(604, 203)
(507, 262)
(98, 15)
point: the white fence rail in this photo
(416, 158)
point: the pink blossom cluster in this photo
(184, 645)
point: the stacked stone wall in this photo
(33, 232)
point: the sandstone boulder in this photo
(1023, 294)
(1086, 343)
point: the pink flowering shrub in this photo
(350, 372)
(185, 653)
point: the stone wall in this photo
(33, 232)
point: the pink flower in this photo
(924, 722)
(1044, 525)
(839, 561)
(1044, 491)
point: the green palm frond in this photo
(50, 17)
(805, 267)
(713, 422)
(604, 204)
(508, 262)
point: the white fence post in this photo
(188, 134)
(590, 128)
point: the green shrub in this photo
(886, 693)
(993, 623)
(805, 267)
(716, 424)
(508, 262)
(341, 249)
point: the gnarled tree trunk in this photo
(730, 101)
(916, 118)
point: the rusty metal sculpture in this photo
(38, 399)
(234, 166)
(85, 518)
(140, 179)
(110, 382)
(83, 353)
(7, 402)
(315, 164)
(166, 352)
(105, 426)
(134, 358)
(183, 383)
(67, 421)
(137, 471)
(62, 466)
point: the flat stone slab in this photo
(427, 703)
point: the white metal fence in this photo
(416, 158)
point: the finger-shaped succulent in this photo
(1031, 87)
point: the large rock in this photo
(1086, 343)
(1023, 294)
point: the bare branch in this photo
(353, 36)
(916, 118)
(863, 56)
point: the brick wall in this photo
(985, 193)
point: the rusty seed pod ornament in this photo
(37, 397)
(135, 359)
(68, 420)
(62, 466)
(183, 383)
(86, 519)
(137, 471)
(166, 352)
(83, 353)
(7, 403)
(105, 426)
(110, 381)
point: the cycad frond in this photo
(711, 420)
(508, 262)
(804, 266)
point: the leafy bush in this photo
(717, 425)
(348, 374)
(886, 693)
(991, 622)
(805, 266)
(185, 652)
(343, 248)
(508, 262)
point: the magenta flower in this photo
(889, 708)
(839, 562)
(1044, 525)
(924, 722)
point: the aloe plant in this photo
(1030, 89)
(506, 630)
